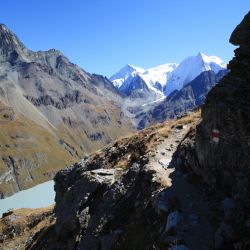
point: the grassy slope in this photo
(36, 152)
(126, 150)
(24, 224)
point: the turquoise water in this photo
(41, 195)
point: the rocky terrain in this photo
(121, 197)
(222, 159)
(44, 93)
(53, 114)
(22, 224)
(178, 185)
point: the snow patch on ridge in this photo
(190, 68)
(166, 78)
(122, 75)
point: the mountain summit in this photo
(10, 46)
(123, 74)
(166, 78)
(52, 113)
(190, 68)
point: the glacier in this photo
(164, 79)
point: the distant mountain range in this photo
(53, 113)
(192, 95)
(168, 90)
(164, 79)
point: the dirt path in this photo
(195, 227)
(162, 157)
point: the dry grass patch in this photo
(17, 226)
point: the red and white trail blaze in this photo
(216, 135)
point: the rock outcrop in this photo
(219, 151)
(125, 197)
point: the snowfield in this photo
(164, 79)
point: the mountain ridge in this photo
(179, 185)
(165, 78)
(79, 112)
(191, 96)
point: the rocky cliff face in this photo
(220, 150)
(10, 46)
(136, 88)
(227, 110)
(44, 93)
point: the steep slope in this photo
(78, 111)
(157, 77)
(123, 74)
(192, 95)
(122, 197)
(134, 85)
(190, 68)
(29, 153)
(164, 79)
(145, 89)
(219, 151)
(24, 224)
(180, 185)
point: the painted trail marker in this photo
(216, 135)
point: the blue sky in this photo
(103, 35)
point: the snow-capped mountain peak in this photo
(190, 68)
(155, 78)
(123, 74)
(212, 62)
(166, 78)
(158, 74)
